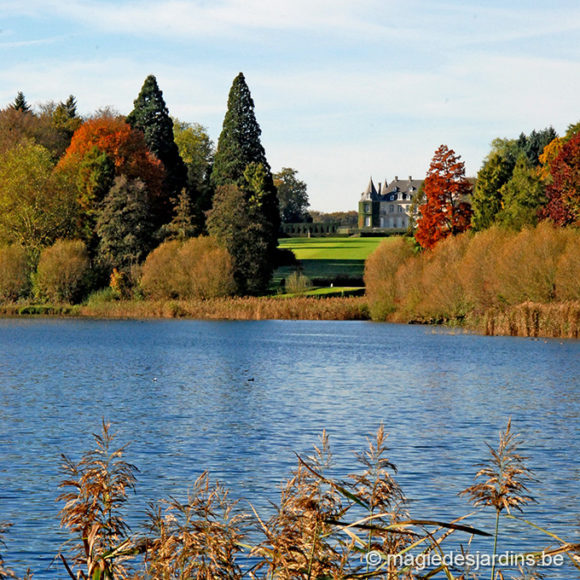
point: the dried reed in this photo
(505, 478)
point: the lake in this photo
(239, 398)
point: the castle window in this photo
(392, 208)
(400, 209)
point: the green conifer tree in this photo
(151, 116)
(123, 226)
(20, 103)
(240, 162)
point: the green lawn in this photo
(333, 260)
(331, 248)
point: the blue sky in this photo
(344, 89)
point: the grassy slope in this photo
(328, 258)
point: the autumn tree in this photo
(56, 124)
(151, 116)
(241, 165)
(37, 204)
(446, 210)
(62, 271)
(125, 147)
(292, 196)
(103, 148)
(563, 206)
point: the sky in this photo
(344, 90)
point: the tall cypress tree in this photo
(240, 161)
(151, 116)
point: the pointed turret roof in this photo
(370, 194)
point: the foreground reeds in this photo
(323, 527)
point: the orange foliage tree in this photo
(125, 147)
(563, 206)
(445, 211)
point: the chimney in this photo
(396, 178)
(410, 178)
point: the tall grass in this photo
(323, 527)
(234, 308)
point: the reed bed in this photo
(244, 308)
(556, 320)
(323, 528)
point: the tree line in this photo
(521, 182)
(122, 186)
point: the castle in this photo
(387, 207)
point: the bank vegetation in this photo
(497, 281)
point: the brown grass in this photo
(247, 308)
(556, 320)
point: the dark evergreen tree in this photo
(239, 142)
(240, 161)
(20, 103)
(533, 144)
(151, 116)
(123, 226)
(70, 106)
(238, 224)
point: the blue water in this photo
(239, 398)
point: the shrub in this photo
(198, 268)
(526, 268)
(161, 274)
(380, 280)
(442, 288)
(207, 267)
(14, 273)
(568, 270)
(62, 271)
(297, 283)
(478, 267)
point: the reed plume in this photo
(198, 539)
(93, 510)
(505, 478)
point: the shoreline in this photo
(535, 320)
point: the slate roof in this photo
(388, 190)
(370, 194)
